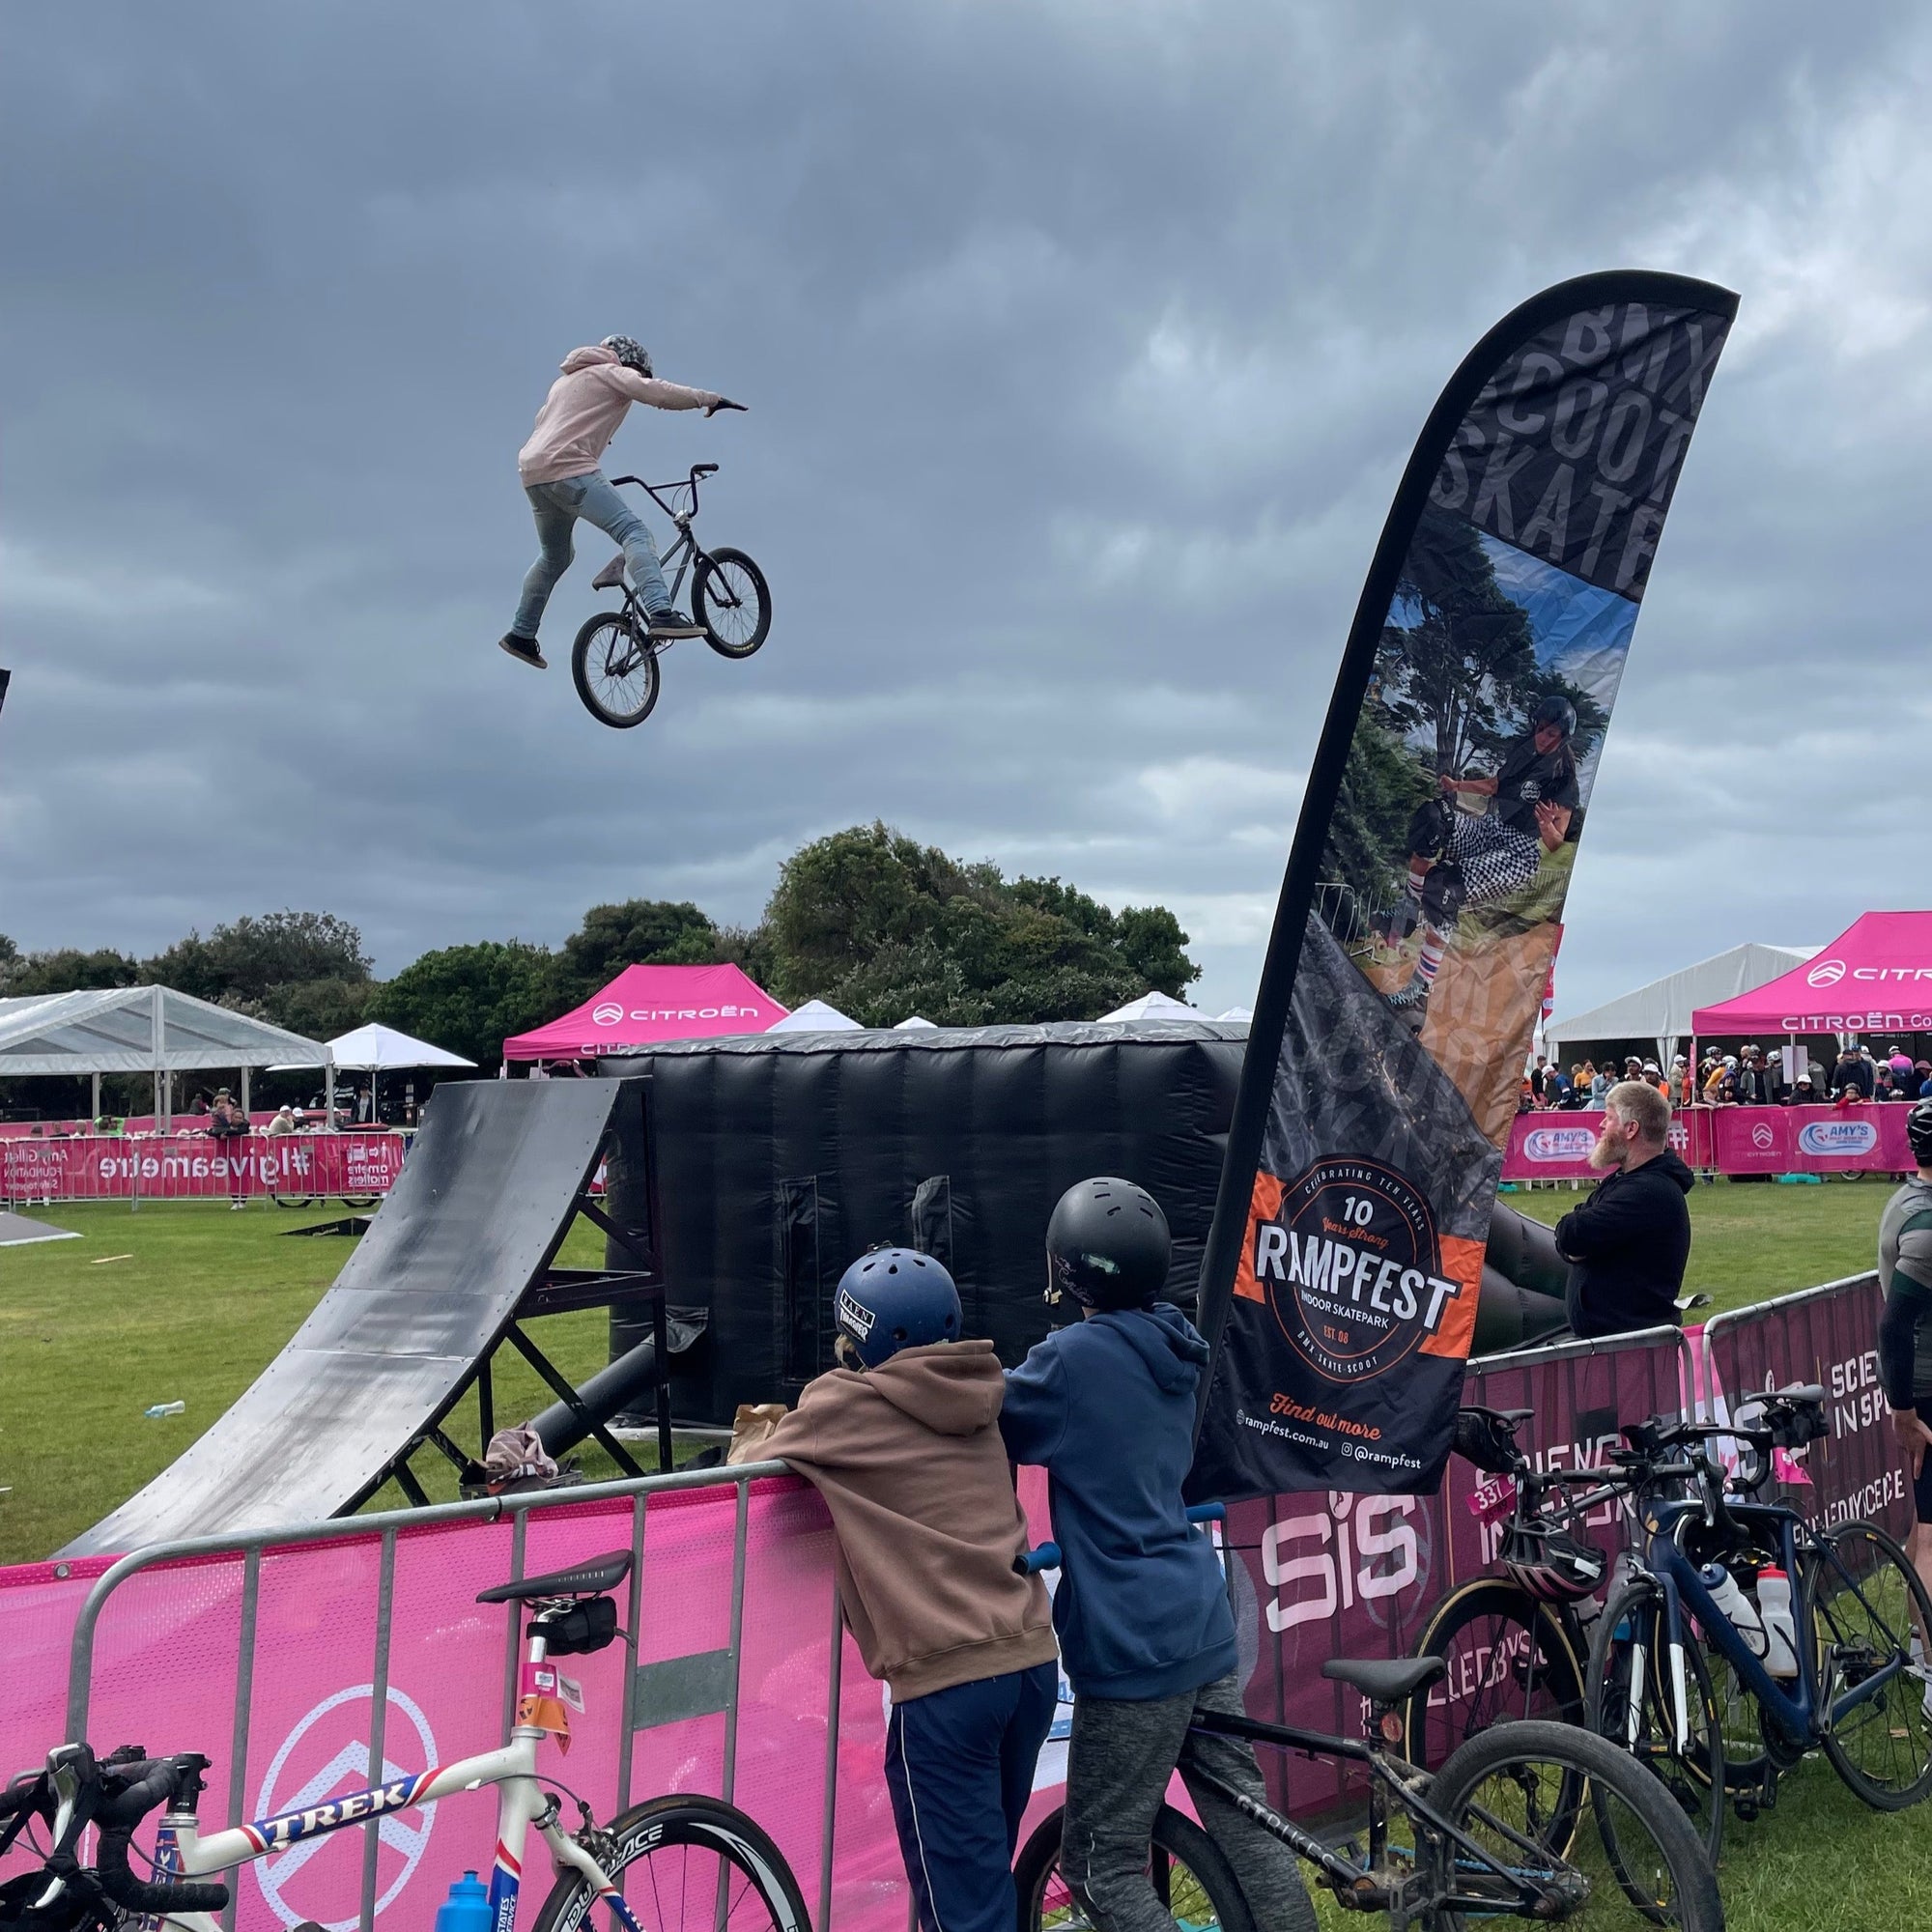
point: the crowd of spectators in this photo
(1748, 1078)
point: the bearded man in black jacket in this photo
(1628, 1244)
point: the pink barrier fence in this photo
(1555, 1145)
(197, 1167)
(277, 1661)
(132, 1124)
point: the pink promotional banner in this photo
(1556, 1144)
(196, 1167)
(1811, 1140)
(1876, 977)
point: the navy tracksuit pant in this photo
(959, 1764)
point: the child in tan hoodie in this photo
(904, 1446)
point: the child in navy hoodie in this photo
(1106, 1407)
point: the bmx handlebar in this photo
(1046, 1555)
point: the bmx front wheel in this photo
(731, 598)
(684, 1863)
(1502, 1790)
(616, 670)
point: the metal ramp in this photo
(465, 1244)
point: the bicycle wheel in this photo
(1509, 1655)
(616, 670)
(292, 1200)
(1189, 1873)
(1502, 1789)
(684, 1864)
(729, 598)
(1632, 1701)
(361, 1201)
(1864, 1599)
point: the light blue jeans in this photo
(557, 507)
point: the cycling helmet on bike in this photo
(1918, 1131)
(632, 354)
(1556, 711)
(895, 1298)
(1107, 1245)
(1553, 1565)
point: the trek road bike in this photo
(678, 1863)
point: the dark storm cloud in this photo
(1084, 344)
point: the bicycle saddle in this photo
(1385, 1680)
(591, 1579)
(612, 576)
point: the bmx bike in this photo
(689, 1862)
(615, 659)
(1499, 1830)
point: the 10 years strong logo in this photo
(1350, 1269)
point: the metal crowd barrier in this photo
(664, 1691)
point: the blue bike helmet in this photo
(895, 1298)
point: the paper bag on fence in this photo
(752, 1428)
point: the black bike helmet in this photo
(1557, 711)
(1918, 1131)
(1551, 1565)
(1107, 1245)
(633, 354)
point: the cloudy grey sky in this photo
(1084, 344)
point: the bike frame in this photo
(1800, 1716)
(1367, 1891)
(684, 549)
(182, 1852)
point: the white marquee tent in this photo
(380, 1049)
(1661, 1010)
(1152, 1006)
(816, 1016)
(151, 1030)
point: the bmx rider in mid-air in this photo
(560, 476)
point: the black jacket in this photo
(1627, 1247)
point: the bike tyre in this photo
(1693, 1904)
(1487, 1605)
(664, 1823)
(702, 603)
(293, 1200)
(1695, 1779)
(650, 681)
(1909, 1716)
(1176, 1839)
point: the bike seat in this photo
(1808, 1392)
(612, 576)
(1385, 1680)
(591, 1579)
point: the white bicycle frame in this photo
(182, 1852)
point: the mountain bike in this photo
(688, 1861)
(615, 659)
(1722, 1711)
(1481, 1832)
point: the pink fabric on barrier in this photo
(112, 1167)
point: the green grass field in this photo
(188, 1302)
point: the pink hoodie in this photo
(584, 408)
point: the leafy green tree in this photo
(639, 932)
(320, 1008)
(882, 926)
(69, 970)
(241, 961)
(471, 998)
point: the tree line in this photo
(866, 918)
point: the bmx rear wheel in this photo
(731, 598)
(683, 1865)
(1188, 1871)
(616, 670)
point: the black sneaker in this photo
(673, 624)
(524, 650)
